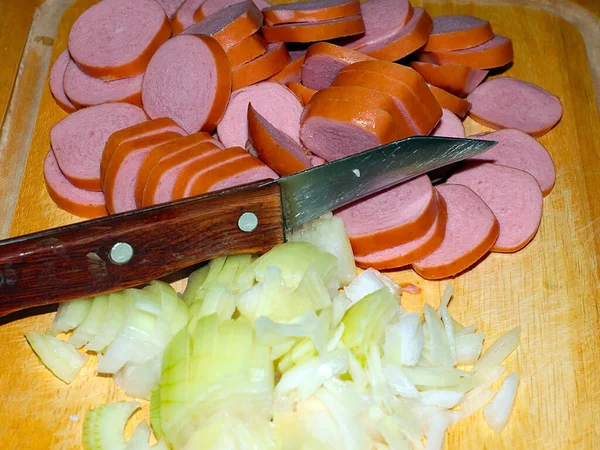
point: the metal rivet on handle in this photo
(121, 253)
(248, 222)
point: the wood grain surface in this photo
(551, 288)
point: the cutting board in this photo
(551, 288)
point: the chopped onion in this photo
(139, 438)
(404, 340)
(399, 382)
(69, 315)
(474, 400)
(441, 398)
(113, 322)
(437, 431)
(87, 329)
(468, 348)
(497, 413)
(339, 306)
(441, 353)
(368, 282)
(393, 434)
(60, 357)
(103, 427)
(449, 327)
(498, 351)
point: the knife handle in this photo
(128, 249)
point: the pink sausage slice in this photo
(513, 196)
(383, 19)
(78, 140)
(210, 7)
(449, 126)
(471, 230)
(404, 254)
(507, 102)
(393, 217)
(116, 38)
(84, 90)
(184, 16)
(189, 81)
(82, 203)
(520, 151)
(274, 102)
(57, 73)
(311, 11)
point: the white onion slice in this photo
(497, 413)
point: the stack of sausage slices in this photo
(169, 99)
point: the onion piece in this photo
(139, 438)
(69, 315)
(90, 326)
(399, 382)
(437, 431)
(393, 434)
(103, 427)
(60, 357)
(113, 323)
(497, 413)
(368, 282)
(498, 351)
(441, 398)
(441, 353)
(474, 400)
(468, 348)
(404, 340)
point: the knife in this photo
(131, 248)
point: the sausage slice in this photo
(324, 60)
(116, 38)
(188, 80)
(457, 105)
(449, 126)
(471, 230)
(78, 140)
(84, 90)
(405, 41)
(279, 151)
(184, 17)
(56, 82)
(393, 217)
(312, 11)
(314, 31)
(143, 129)
(507, 102)
(124, 169)
(405, 254)
(292, 72)
(514, 196)
(231, 25)
(211, 7)
(248, 49)
(457, 32)
(80, 202)
(275, 102)
(496, 52)
(520, 151)
(303, 93)
(454, 78)
(261, 68)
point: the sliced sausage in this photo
(147, 128)
(370, 97)
(458, 32)
(275, 102)
(229, 26)
(405, 41)
(210, 7)
(496, 52)
(290, 73)
(297, 49)
(454, 78)
(170, 6)
(246, 169)
(188, 80)
(334, 129)
(261, 68)
(251, 47)
(407, 87)
(312, 11)
(507, 102)
(56, 82)
(161, 152)
(324, 60)
(193, 167)
(84, 90)
(383, 18)
(393, 217)
(405, 254)
(471, 230)
(513, 195)
(457, 105)
(161, 179)
(80, 202)
(449, 126)
(116, 38)
(279, 151)
(314, 31)
(124, 169)
(520, 151)
(184, 17)
(78, 140)
(303, 93)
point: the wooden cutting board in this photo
(551, 288)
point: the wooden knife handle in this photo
(92, 257)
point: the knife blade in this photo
(128, 249)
